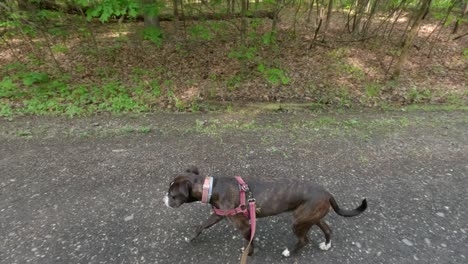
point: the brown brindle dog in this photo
(308, 203)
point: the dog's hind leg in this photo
(212, 220)
(327, 232)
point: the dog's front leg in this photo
(242, 224)
(212, 220)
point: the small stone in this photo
(443, 245)
(440, 214)
(128, 218)
(407, 242)
(415, 257)
(358, 245)
(428, 241)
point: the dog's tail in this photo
(348, 213)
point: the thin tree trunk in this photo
(371, 12)
(176, 14)
(327, 20)
(49, 48)
(409, 39)
(357, 25)
(463, 12)
(426, 12)
(320, 15)
(397, 17)
(182, 11)
(149, 19)
(295, 17)
(309, 12)
(442, 23)
(243, 28)
(93, 40)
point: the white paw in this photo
(324, 246)
(286, 253)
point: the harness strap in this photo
(242, 208)
(247, 209)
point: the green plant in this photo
(154, 35)
(274, 76)
(5, 110)
(418, 96)
(31, 78)
(234, 82)
(351, 122)
(200, 32)
(343, 98)
(338, 54)
(155, 88)
(243, 53)
(317, 106)
(7, 87)
(372, 90)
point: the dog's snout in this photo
(166, 201)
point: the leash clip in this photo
(244, 187)
(251, 200)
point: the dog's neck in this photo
(197, 189)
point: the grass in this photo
(25, 92)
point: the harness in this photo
(247, 210)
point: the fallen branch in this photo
(460, 36)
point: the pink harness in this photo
(248, 212)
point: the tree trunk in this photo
(151, 21)
(311, 7)
(176, 14)
(149, 18)
(426, 12)
(464, 11)
(408, 43)
(243, 28)
(327, 20)
(371, 12)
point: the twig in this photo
(460, 36)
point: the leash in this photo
(248, 210)
(252, 231)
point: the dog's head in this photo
(180, 189)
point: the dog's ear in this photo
(185, 188)
(193, 169)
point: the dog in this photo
(309, 204)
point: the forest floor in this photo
(200, 62)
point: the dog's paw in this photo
(324, 246)
(286, 253)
